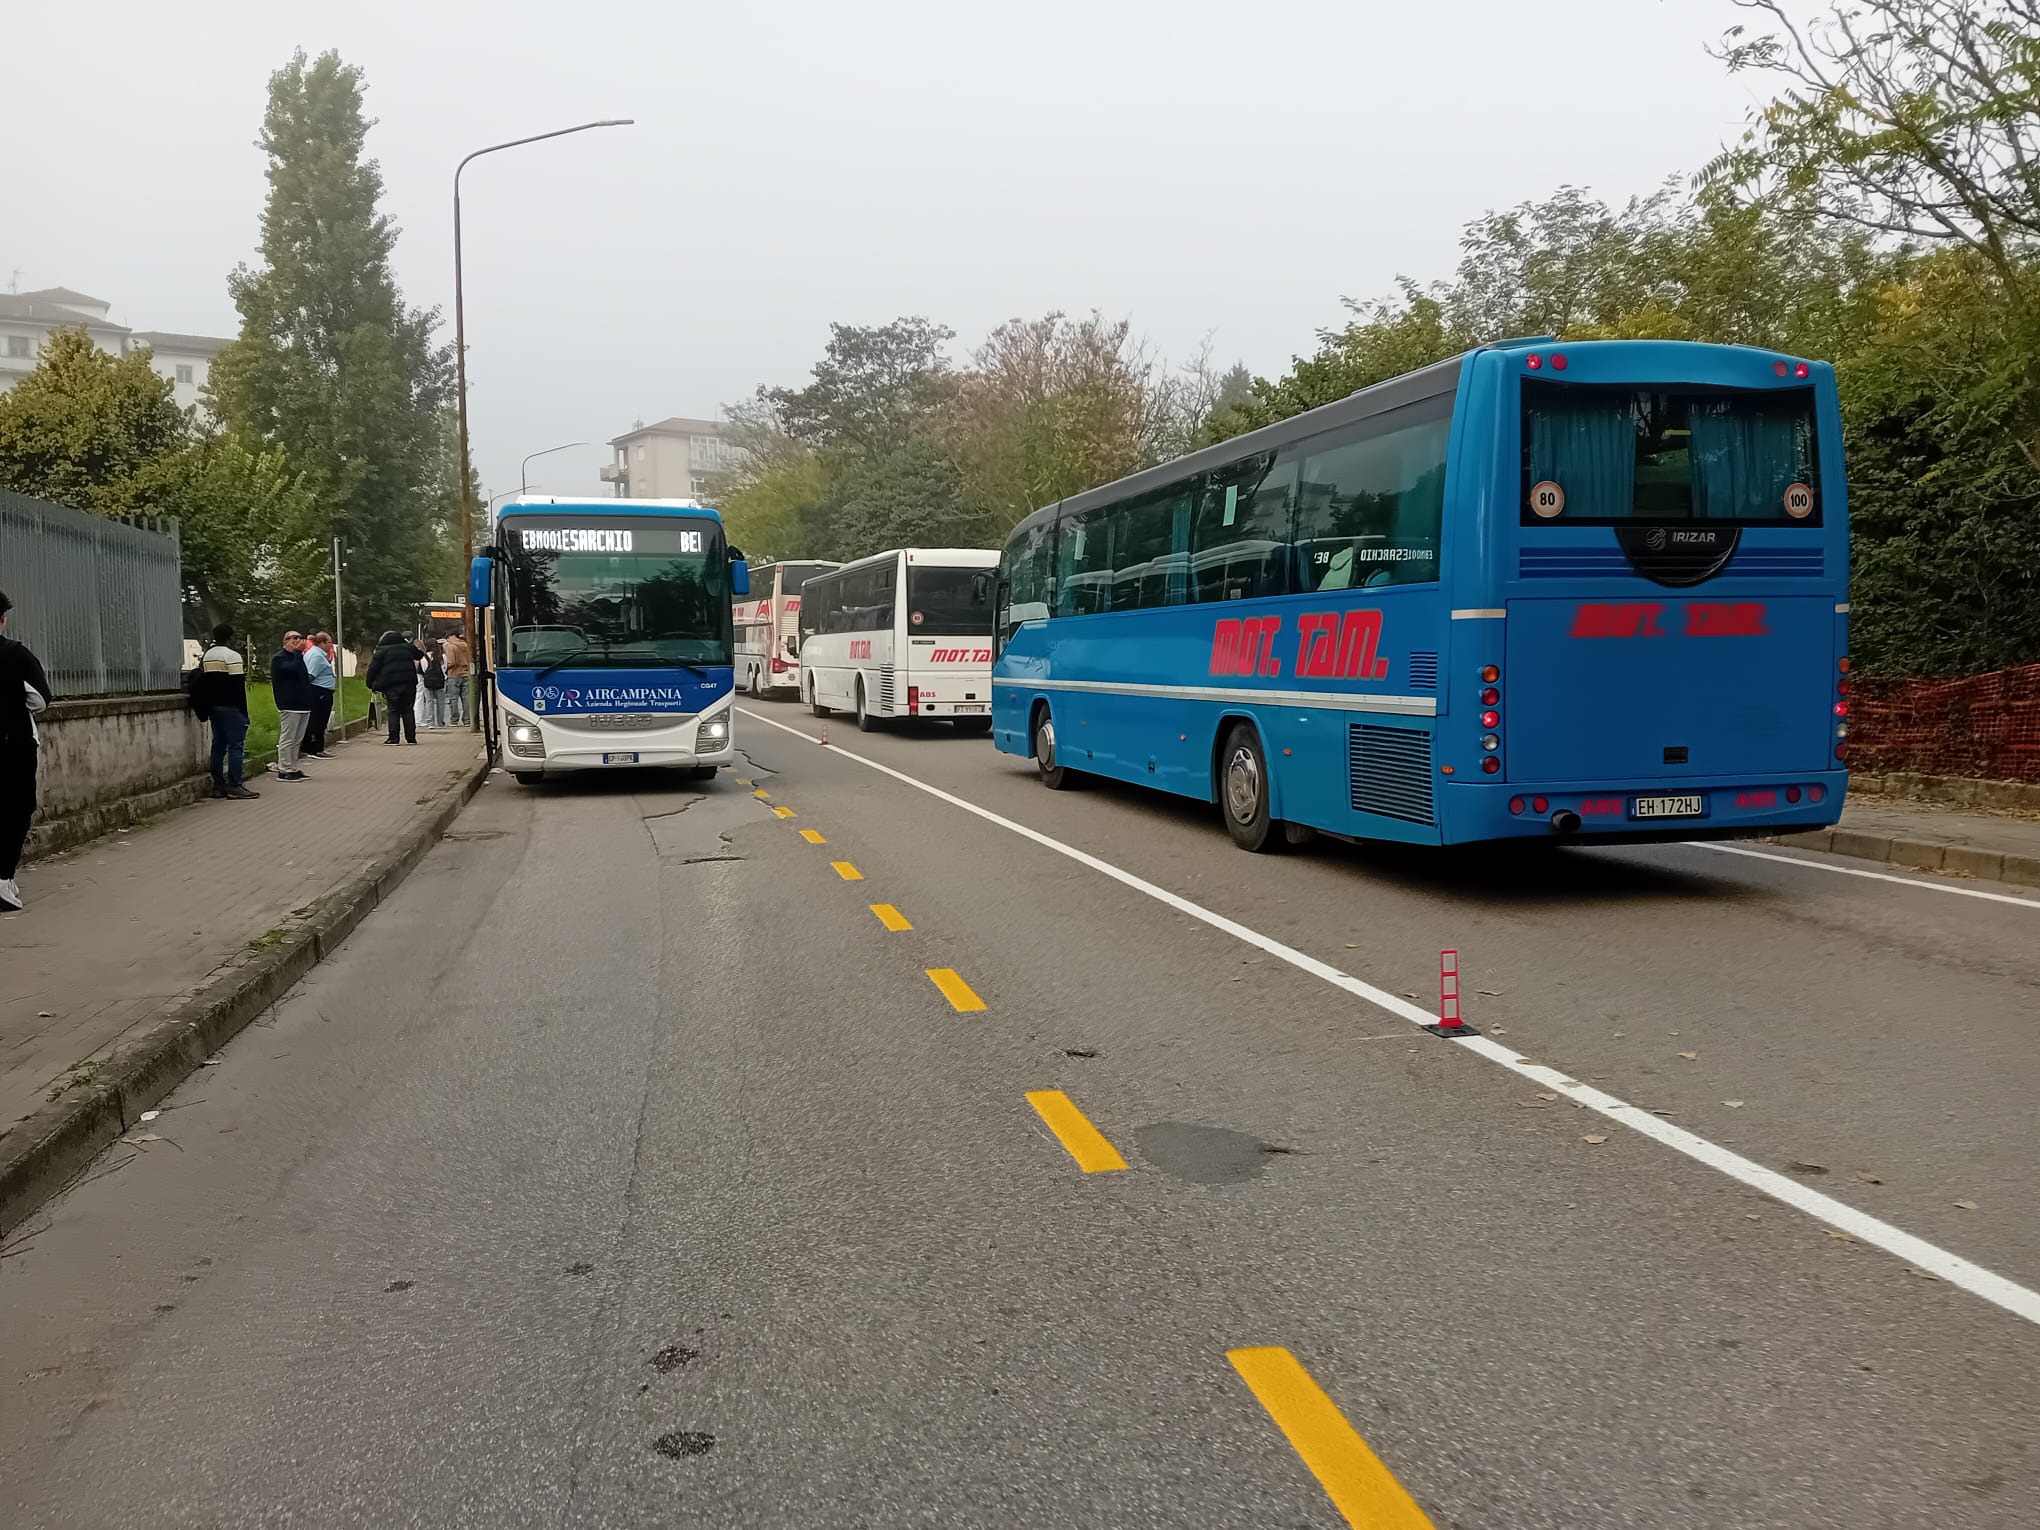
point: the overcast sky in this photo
(1224, 166)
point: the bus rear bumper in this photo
(1627, 813)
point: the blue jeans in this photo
(229, 736)
(455, 699)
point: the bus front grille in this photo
(1391, 771)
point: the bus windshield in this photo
(647, 595)
(1600, 454)
(949, 602)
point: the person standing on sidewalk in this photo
(24, 691)
(433, 678)
(459, 665)
(291, 684)
(319, 665)
(219, 695)
(394, 673)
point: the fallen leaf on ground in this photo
(1967, 1205)
(1799, 1166)
(1620, 1034)
(1352, 945)
(1492, 993)
(1595, 1138)
(1923, 1274)
(1868, 1178)
(150, 1115)
(1839, 1236)
(1690, 1056)
(1529, 1062)
(1660, 1112)
(1547, 1096)
(1530, 1105)
(1733, 1104)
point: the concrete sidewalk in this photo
(136, 924)
(1921, 835)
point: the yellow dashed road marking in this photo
(1360, 1487)
(955, 989)
(1085, 1143)
(847, 872)
(890, 917)
(812, 837)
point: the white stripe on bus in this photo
(1953, 1268)
(1481, 614)
(1340, 701)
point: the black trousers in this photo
(322, 713)
(17, 807)
(403, 709)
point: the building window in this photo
(641, 451)
(17, 345)
(184, 371)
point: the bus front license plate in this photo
(620, 759)
(1669, 807)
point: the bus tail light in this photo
(1490, 719)
(1490, 673)
(1492, 766)
(1534, 362)
(1558, 363)
(913, 699)
(1801, 369)
(779, 665)
(1515, 804)
(1539, 804)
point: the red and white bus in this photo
(768, 637)
(906, 633)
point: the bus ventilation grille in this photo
(1423, 672)
(885, 691)
(1391, 771)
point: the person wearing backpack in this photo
(433, 678)
(393, 672)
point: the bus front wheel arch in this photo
(1244, 787)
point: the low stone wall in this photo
(112, 761)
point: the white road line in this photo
(1874, 876)
(1953, 1268)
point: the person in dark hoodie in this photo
(219, 697)
(393, 672)
(24, 691)
(290, 683)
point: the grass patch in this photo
(273, 936)
(263, 725)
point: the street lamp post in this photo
(467, 498)
(524, 473)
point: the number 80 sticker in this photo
(1547, 499)
(1799, 501)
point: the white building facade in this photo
(28, 319)
(675, 458)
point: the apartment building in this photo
(27, 319)
(676, 458)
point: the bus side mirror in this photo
(740, 574)
(480, 574)
(981, 586)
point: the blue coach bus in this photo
(1592, 592)
(609, 638)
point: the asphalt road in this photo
(628, 1169)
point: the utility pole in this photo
(339, 646)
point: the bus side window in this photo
(1371, 501)
(1240, 530)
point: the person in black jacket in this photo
(219, 697)
(393, 671)
(290, 683)
(24, 691)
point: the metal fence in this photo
(99, 600)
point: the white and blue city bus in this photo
(609, 639)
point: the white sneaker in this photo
(10, 896)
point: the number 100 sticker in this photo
(1547, 499)
(1799, 501)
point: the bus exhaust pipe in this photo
(1565, 821)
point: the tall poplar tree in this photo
(331, 363)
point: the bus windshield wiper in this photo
(563, 658)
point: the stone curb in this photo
(1922, 854)
(1950, 791)
(44, 1153)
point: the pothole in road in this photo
(684, 1442)
(1206, 1155)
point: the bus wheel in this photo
(975, 726)
(754, 686)
(814, 700)
(866, 723)
(1056, 776)
(1243, 791)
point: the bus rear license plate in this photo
(1669, 807)
(968, 706)
(620, 759)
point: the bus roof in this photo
(555, 504)
(954, 557)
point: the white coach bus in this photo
(906, 633)
(768, 638)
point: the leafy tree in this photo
(874, 388)
(83, 426)
(331, 363)
(248, 524)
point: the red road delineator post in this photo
(1449, 1024)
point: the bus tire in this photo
(754, 684)
(1055, 775)
(976, 727)
(1243, 791)
(814, 700)
(866, 722)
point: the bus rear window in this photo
(1598, 455)
(949, 602)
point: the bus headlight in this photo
(715, 731)
(523, 733)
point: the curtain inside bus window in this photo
(1745, 454)
(1585, 443)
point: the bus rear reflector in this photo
(1492, 766)
(1558, 363)
(913, 698)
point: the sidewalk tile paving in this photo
(1904, 819)
(122, 925)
